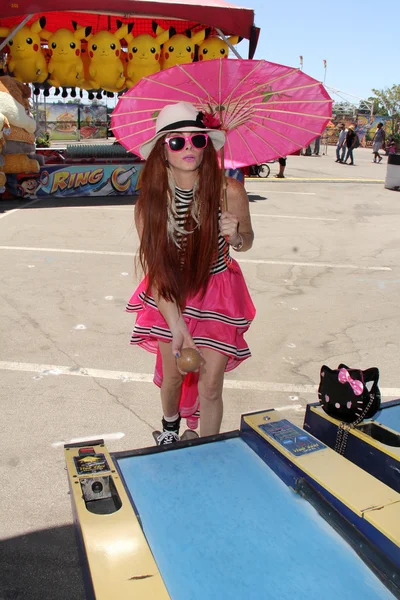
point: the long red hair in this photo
(173, 276)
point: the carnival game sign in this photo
(66, 181)
(71, 121)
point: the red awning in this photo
(231, 19)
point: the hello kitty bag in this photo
(349, 395)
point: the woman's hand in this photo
(181, 337)
(228, 226)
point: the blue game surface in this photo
(390, 417)
(221, 525)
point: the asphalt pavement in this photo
(324, 275)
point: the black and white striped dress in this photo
(217, 319)
(183, 200)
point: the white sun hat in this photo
(181, 117)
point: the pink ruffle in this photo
(218, 321)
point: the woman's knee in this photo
(172, 380)
(211, 389)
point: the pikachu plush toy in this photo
(180, 49)
(214, 47)
(106, 68)
(64, 48)
(144, 52)
(27, 61)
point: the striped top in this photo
(183, 199)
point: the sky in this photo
(353, 36)
(357, 38)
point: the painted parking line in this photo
(132, 377)
(272, 216)
(316, 180)
(315, 264)
(66, 250)
(126, 208)
(255, 215)
(290, 263)
(263, 191)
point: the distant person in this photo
(282, 167)
(378, 142)
(317, 145)
(351, 143)
(391, 147)
(341, 143)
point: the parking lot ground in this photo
(324, 275)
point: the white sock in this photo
(171, 419)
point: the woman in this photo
(351, 140)
(378, 142)
(193, 294)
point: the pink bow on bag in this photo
(357, 386)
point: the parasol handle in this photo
(224, 185)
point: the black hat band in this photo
(178, 124)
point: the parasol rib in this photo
(130, 135)
(299, 114)
(164, 85)
(239, 103)
(228, 98)
(241, 98)
(247, 145)
(133, 123)
(285, 137)
(261, 85)
(305, 101)
(238, 119)
(286, 124)
(206, 92)
(266, 143)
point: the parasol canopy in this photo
(267, 110)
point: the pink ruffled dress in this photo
(217, 320)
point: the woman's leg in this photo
(172, 381)
(211, 381)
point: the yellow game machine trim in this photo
(393, 451)
(120, 562)
(358, 490)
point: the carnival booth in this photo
(92, 55)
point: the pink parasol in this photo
(267, 110)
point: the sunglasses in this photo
(176, 143)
